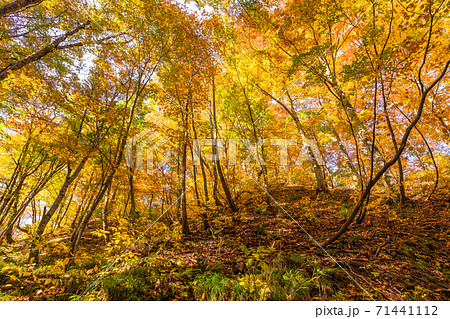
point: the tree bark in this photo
(17, 5)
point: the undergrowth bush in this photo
(128, 285)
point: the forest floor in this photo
(262, 254)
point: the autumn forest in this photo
(224, 150)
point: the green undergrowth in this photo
(255, 274)
(286, 278)
(253, 256)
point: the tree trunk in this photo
(263, 167)
(133, 213)
(366, 141)
(202, 165)
(58, 225)
(76, 235)
(317, 169)
(34, 253)
(394, 142)
(214, 167)
(321, 185)
(105, 212)
(348, 160)
(184, 221)
(216, 154)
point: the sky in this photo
(192, 7)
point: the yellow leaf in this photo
(66, 261)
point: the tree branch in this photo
(17, 5)
(54, 45)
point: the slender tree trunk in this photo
(58, 225)
(322, 156)
(318, 172)
(133, 213)
(394, 142)
(197, 195)
(184, 218)
(317, 169)
(184, 221)
(202, 165)
(214, 167)
(445, 128)
(216, 154)
(366, 141)
(33, 211)
(348, 160)
(34, 253)
(105, 212)
(262, 163)
(205, 182)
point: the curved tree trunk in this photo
(423, 96)
(366, 141)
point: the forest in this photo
(225, 150)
